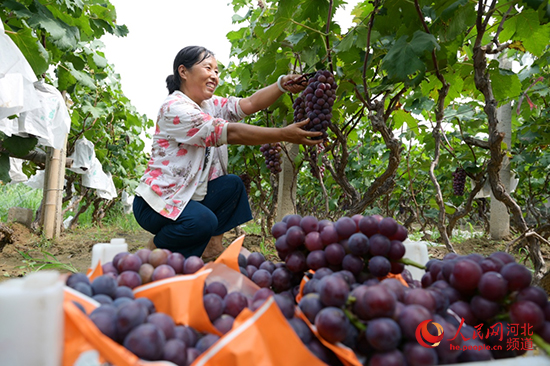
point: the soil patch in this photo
(22, 251)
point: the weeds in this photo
(48, 262)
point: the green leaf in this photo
(505, 83)
(401, 60)
(19, 146)
(82, 77)
(346, 43)
(296, 37)
(33, 51)
(5, 168)
(528, 30)
(64, 36)
(400, 117)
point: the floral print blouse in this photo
(184, 156)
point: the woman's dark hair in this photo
(188, 57)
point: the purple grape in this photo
(387, 227)
(313, 241)
(164, 322)
(292, 220)
(334, 254)
(383, 334)
(255, 259)
(124, 291)
(235, 302)
(104, 284)
(224, 323)
(329, 235)
(192, 264)
(517, 275)
(206, 342)
(129, 279)
(309, 224)
(379, 266)
(175, 351)
(295, 236)
(281, 279)
(176, 260)
(162, 272)
(345, 227)
(527, 312)
(358, 244)
(379, 245)
(278, 229)
(216, 287)
(332, 323)
(466, 274)
(130, 262)
(310, 305)
(409, 319)
(146, 341)
(262, 278)
(316, 259)
(214, 306)
(374, 302)
(296, 262)
(368, 226)
(353, 264)
(129, 316)
(493, 286)
(333, 290)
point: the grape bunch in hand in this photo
(316, 102)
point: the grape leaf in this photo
(19, 146)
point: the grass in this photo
(18, 195)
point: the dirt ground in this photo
(74, 248)
(71, 248)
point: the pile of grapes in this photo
(135, 323)
(336, 276)
(459, 180)
(272, 156)
(145, 265)
(316, 101)
(379, 318)
(365, 246)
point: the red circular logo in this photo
(422, 334)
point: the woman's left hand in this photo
(293, 84)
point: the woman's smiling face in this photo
(201, 80)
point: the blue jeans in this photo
(224, 207)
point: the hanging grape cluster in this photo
(272, 156)
(245, 177)
(316, 102)
(459, 179)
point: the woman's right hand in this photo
(295, 134)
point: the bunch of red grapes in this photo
(459, 180)
(272, 155)
(365, 246)
(316, 101)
